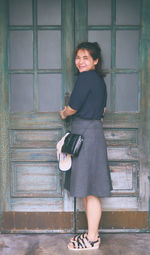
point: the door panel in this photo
(49, 49)
(127, 49)
(104, 39)
(127, 12)
(121, 136)
(20, 43)
(21, 93)
(124, 178)
(50, 92)
(99, 13)
(35, 180)
(49, 12)
(20, 12)
(127, 86)
(34, 138)
(36, 96)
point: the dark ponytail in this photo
(95, 52)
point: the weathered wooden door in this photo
(119, 27)
(40, 41)
(37, 43)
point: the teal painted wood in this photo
(35, 121)
(124, 178)
(67, 46)
(106, 27)
(113, 55)
(81, 21)
(35, 138)
(52, 27)
(40, 71)
(35, 56)
(35, 180)
(145, 101)
(4, 154)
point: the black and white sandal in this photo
(75, 238)
(83, 244)
(81, 236)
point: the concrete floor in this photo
(56, 244)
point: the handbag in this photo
(72, 144)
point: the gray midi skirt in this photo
(90, 173)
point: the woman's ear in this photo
(95, 61)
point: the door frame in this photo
(5, 213)
(4, 115)
(145, 98)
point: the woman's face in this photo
(84, 61)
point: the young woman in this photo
(90, 176)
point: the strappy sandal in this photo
(75, 238)
(84, 244)
(81, 236)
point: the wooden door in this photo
(40, 47)
(36, 91)
(117, 26)
(38, 38)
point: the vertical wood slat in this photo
(3, 108)
(35, 55)
(67, 45)
(113, 56)
(81, 31)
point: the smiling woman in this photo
(90, 175)
(84, 61)
(88, 56)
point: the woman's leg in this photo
(93, 211)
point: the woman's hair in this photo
(95, 52)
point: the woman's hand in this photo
(62, 114)
(67, 111)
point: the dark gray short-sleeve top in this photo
(89, 96)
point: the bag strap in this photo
(87, 127)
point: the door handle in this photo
(67, 95)
(67, 121)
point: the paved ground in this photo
(56, 244)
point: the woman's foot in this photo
(81, 236)
(75, 238)
(83, 244)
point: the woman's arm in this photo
(67, 111)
